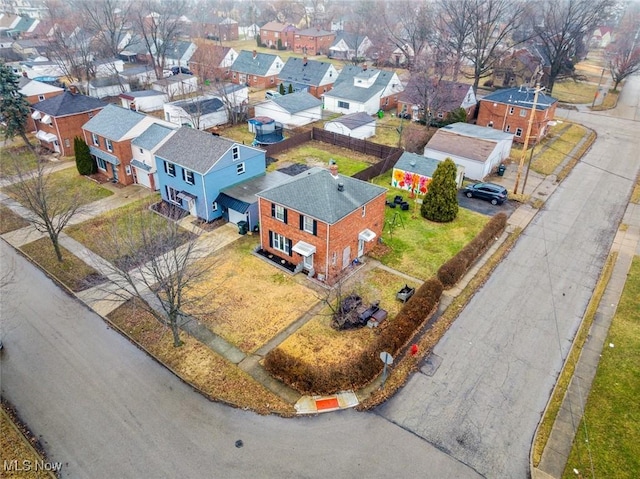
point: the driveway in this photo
(485, 207)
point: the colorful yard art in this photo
(407, 180)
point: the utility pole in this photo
(529, 126)
(595, 96)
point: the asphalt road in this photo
(105, 409)
(499, 361)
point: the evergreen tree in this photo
(84, 161)
(456, 116)
(14, 108)
(440, 204)
(280, 44)
(258, 40)
(290, 88)
(282, 90)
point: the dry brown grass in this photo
(246, 300)
(635, 196)
(9, 221)
(196, 364)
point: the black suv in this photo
(496, 194)
(176, 70)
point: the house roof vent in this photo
(340, 186)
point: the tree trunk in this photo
(56, 246)
(23, 135)
(175, 329)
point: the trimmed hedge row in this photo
(454, 269)
(394, 335)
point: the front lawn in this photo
(119, 223)
(9, 221)
(11, 155)
(612, 412)
(571, 91)
(553, 152)
(416, 246)
(315, 153)
(245, 299)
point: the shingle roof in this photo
(200, 106)
(415, 163)
(344, 86)
(295, 102)
(194, 149)
(34, 87)
(354, 120)
(466, 147)
(309, 72)
(152, 136)
(130, 95)
(68, 104)
(246, 63)
(114, 122)
(477, 131)
(314, 32)
(522, 97)
(177, 49)
(315, 193)
(351, 39)
(274, 26)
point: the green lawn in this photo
(20, 154)
(315, 153)
(386, 130)
(613, 410)
(416, 246)
(570, 91)
(239, 133)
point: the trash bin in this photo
(243, 227)
(501, 170)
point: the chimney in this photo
(333, 168)
(73, 89)
(255, 54)
(364, 67)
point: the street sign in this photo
(386, 357)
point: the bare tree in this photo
(410, 27)
(624, 53)
(159, 264)
(159, 24)
(52, 205)
(560, 27)
(453, 28)
(236, 106)
(491, 24)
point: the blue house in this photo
(194, 166)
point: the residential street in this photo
(105, 409)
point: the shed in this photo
(413, 173)
(176, 85)
(357, 125)
(145, 100)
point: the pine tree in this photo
(440, 204)
(290, 88)
(14, 108)
(282, 90)
(84, 161)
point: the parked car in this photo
(496, 194)
(176, 70)
(271, 94)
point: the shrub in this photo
(84, 161)
(259, 40)
(440, 204)
(281, 89)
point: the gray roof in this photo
(68, 104)
(152, 136)
(315, 193)
(127, 72)
(351, 39)
(113, 122)
(177, 49)
(521, 96)
(194, 149)
(141, 93)
(415, 163)
(248, 190)
(344, 86)
(309, 72)
(246, 63)
(477, 131)
(354, 120)
(295, 102)
(314, 32)
(200, 106)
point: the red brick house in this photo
(321, 221)
(271, 32)
(256, 70)
(36, 91)
(59, 120)
(509, 110)
(109, 135)
(313, 41)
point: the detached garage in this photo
(356, 125)
(292, 110)
(477, 149)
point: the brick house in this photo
(509, 110)
(36, 91)
(216, 28)
(518, 68)
(321, 221)
(109, 135)
(271, 32)
(313, 41)
(312, 76)
(441, 97)
(59, 120)
(256, 70)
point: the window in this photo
(127, 170)
(167, 115)
(109, 145)
(508, 128)
(172, 195)
(334, 258)
(96, 140)
(523, 112)
(169, 168)
(308, 224)
(272, 80)
(511, 110)
(214, 206)
(440, 115)
(188, 177)
(234, 75)
(279, 212)
(67, 143)
(141, 150)
(343, 104)
(40, 97)
(236, 153)
(490, 124)
(90, 114)
(101, 163)
(280, 243)
(364, 210)
(240, 168)
(518, 131)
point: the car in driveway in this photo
(496, 194)
(178, 70)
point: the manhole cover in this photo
(431, 364)
(239, 443)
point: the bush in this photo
(440, 204)
(84, 161)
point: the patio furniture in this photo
(405, 293)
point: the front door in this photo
(360, 248)
(307, 262)
(346, 257)
(114, 170)
(56, 146)
(192, 207)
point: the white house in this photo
(356, 125)
(143, 75)
(176, 85)
(107, 86)
(143, 149)
(478, 149)
(349, 45)
(144, 100)
(108, 67)
(200, 112)
(295, 109)
(249, 32)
